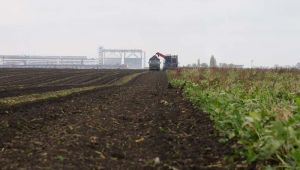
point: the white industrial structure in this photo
(19, 61)
(108, 59)
(130, 58)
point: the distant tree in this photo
(213, 61)
(277, 66)
(204, 65)
(198, 63)
(298, 65)
(223, 65)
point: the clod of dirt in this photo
(117, 154)
(94, 140)
(101, 154)
(164, 102)
(38, 143)
(156, 161)
(140, 140)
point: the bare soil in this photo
(38, 81)
(144, 124)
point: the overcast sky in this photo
(235, 31)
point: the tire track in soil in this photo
(124, 127)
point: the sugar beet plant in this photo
(258, 109)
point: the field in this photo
(102, 119)
(258, 110)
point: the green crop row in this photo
(258, 109)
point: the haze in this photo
(235, 31)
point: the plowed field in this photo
(128, 120)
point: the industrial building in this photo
(108, 59)
(130, 58)
(23, 61)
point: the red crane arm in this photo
(160, 54)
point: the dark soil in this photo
(31, 86)
(141, 125)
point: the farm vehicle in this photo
(162, 62)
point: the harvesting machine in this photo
(162, 62)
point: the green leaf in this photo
(255, 115)
(60, 157)
(251, 155)
(296, 155)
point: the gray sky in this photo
(235, 31)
